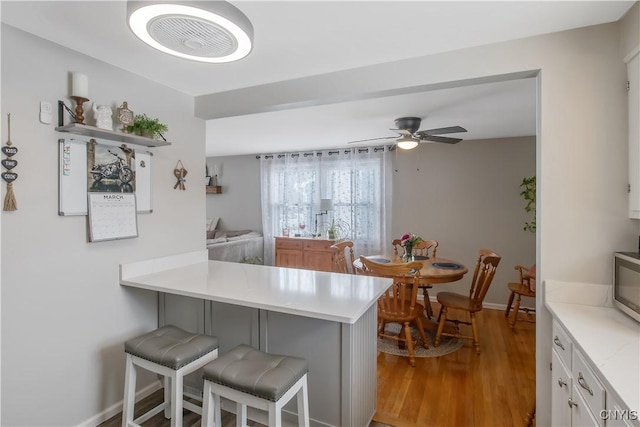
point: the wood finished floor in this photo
(493, 389)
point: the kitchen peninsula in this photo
(327, 318)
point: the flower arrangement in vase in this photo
(408, 241)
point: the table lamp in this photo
(326, 205)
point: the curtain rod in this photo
(319, 153)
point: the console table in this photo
(302, 252)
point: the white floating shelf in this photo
(94, 132)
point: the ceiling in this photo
(294, 39)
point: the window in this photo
(357, 181)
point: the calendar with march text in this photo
(112, 216)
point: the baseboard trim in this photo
(488, 305)
(116, 408)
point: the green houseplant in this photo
(528, 192)
(337, 229)
(146, 126)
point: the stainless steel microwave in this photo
(626, 283)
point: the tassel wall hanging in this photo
(9, 176)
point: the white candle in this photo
(79, 85)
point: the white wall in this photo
(64, 315)
(238, 206)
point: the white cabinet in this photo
(633, 73)
(617, 417)
(577, 396)
(561, 388)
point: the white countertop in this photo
(321, 295)
(606, 336)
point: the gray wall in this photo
(466, 196)
(239, 205)
(64, 315)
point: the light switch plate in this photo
(45, 112)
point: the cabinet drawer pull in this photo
(583, 383)
(571, 403)
(557, 342)
(561, 383)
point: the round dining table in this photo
(434, 271)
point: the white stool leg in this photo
(218, 410)
(176, 399)
(275, 414)
(208, 407)
(167, 396)
(241, 415)
(303, 404)
(129, 392)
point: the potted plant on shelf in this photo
(145, 126)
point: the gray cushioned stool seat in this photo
(170, 346)
(267, 376)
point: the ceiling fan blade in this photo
(444, 139)
(406, 132)
(441, 131)
(372, 139)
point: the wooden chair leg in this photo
(474, 327)
(508, 309)
(442, 318)
(409, 338)
(427, 303)
(423, 336)
(516, 309)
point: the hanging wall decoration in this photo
(180, 172)
(9, 163)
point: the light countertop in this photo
(330, 296)
(606, 336)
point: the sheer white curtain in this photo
(358, 181)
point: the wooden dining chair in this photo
(398, 249)
(341, 262)
(398, 303)
(426, 248)
(486, 266)
(526, 287)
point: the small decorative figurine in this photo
(103, 113)
(125, 116)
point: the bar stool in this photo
(172, 353)
(254, 378)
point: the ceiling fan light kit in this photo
(407, 142)
(211, 31)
